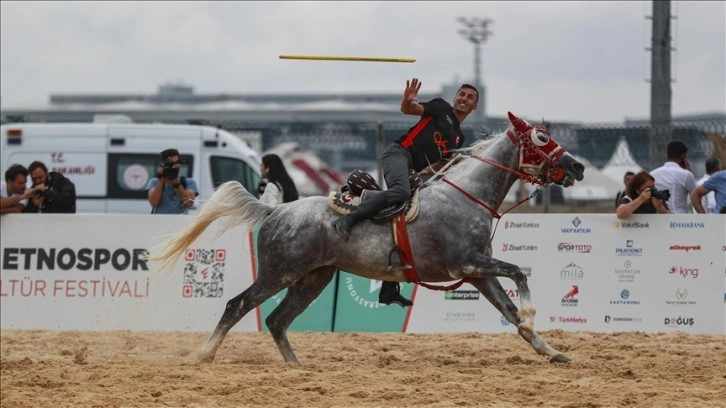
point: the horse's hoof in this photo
(205, 359)
(559, 358)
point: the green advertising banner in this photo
(318, 317)
(357, 308)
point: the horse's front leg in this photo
(492, 289)
(478, 265)
(486, 269)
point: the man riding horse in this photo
(425, 148)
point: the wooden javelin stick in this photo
(334, 58)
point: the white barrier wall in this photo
(652, 273)
(83, 272)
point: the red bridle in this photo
(536, 150)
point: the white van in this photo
(111, 163)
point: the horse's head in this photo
(541, 157)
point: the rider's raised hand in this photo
(410, 94)
(409, 104)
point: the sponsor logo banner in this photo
(688, 225)
(569, 247)
(576, 229)
(523, 224)
(630, 249)
(631, 224)
(628, 272)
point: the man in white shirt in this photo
(13, 194)
(675, 176)
(709, 200)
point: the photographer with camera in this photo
(13, 194)
(641, 197)
(53, 193)
(169, 193)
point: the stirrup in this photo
(395, 264)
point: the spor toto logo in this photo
(569, 247)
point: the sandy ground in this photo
(130, 369)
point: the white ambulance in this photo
(111, 163)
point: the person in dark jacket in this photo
(425, 148)
(52, 192)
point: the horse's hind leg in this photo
(492, 289)
(235, 310)
(299, 296)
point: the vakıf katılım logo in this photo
(577, 230)
(204, 273)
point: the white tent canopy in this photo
(621, 162)
(311, 175)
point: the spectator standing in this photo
(708, 202)
(715, 183)
(13, 194)
(626, 180)
(639, 198)
(169, 193)
(279, 187)
(675, 176)
(52, 191)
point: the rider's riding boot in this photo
(371, 203)
(391, 293)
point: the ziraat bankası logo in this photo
(520, 225)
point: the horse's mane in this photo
(476, 149)
(480, 146)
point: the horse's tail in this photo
(232, 201)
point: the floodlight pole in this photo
(476, 31)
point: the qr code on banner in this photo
(204, 273)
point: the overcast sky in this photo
(563, 61)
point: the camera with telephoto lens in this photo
(169, 171)
(662, 195)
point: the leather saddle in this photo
(358, 182)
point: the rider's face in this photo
(465, 100)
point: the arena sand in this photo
(155, 369)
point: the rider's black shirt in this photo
(434, 136)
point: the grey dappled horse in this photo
(450, 238)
